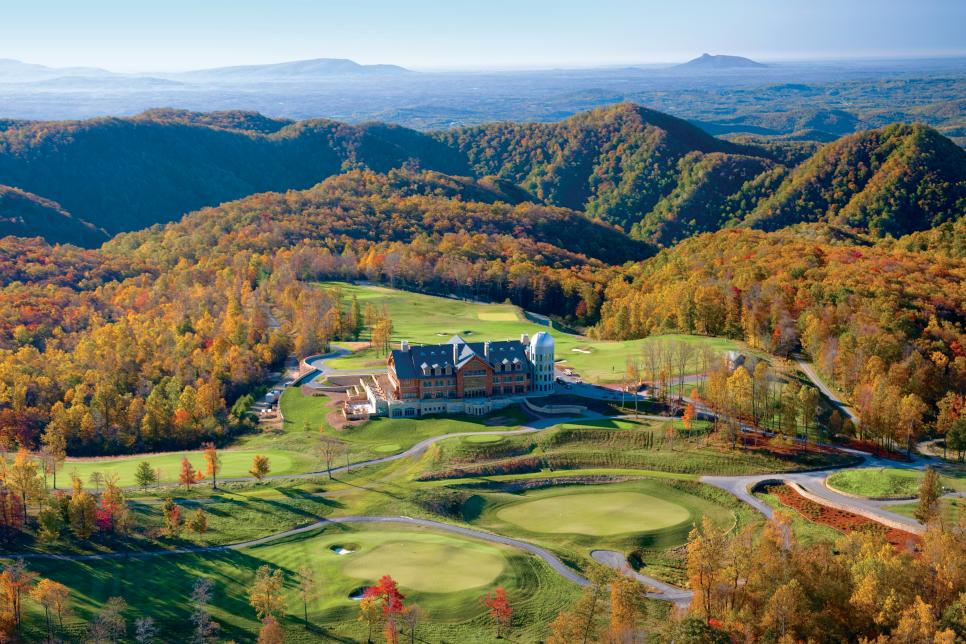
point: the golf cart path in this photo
(809, 370)
(813, 483)
(662, 591)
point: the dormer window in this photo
(425, 369)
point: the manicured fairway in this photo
(234, 463)
(886, 482)
(600, 514)
(429, 319)
(437, 566)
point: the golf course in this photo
(533, 496)
(449, 593)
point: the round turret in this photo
(541, 355)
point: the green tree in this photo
(144, 475)
(930, 491)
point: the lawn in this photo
(449, 594)
(381, 436)
(234, 463)
(887, 482)
(427, 319)
(952, 509)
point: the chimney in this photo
(404, 345)
(456, 355)
(486, 349)
(524, 338)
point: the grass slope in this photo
(427, 319)
(887, 482)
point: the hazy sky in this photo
(139, 35)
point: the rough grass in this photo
(952, 509)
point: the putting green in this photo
(388, 447)
(483, 438)
(596, 514)
(430, 567)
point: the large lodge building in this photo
(463, 377)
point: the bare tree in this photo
(329, 449)
(683, 354)
(145, 631)
(206, 629)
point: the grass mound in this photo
(886, 482)
(595, 513)
(483, 438)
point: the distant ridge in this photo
(294, 70)
(709, 62)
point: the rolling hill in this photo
(656, 176)
(893, 181)
(616, 163)
(26, 215)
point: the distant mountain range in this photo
(15, 71)
(296, 70)
(658, 177)
(709, 62)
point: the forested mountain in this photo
(616, 163)
(125, 174)
(892, 181)
(658, 177)
(713, 191)
(27, 215)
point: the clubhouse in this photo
(461, 377)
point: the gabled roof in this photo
(409, 364)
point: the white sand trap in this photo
(576, 350)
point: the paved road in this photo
(809, 371)
(814, 483)
(664, 592)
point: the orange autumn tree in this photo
(212, 462)
(500, 610)
(187, 476)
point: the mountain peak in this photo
(709, 61)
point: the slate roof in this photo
(455, 353)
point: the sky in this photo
(174, 35)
